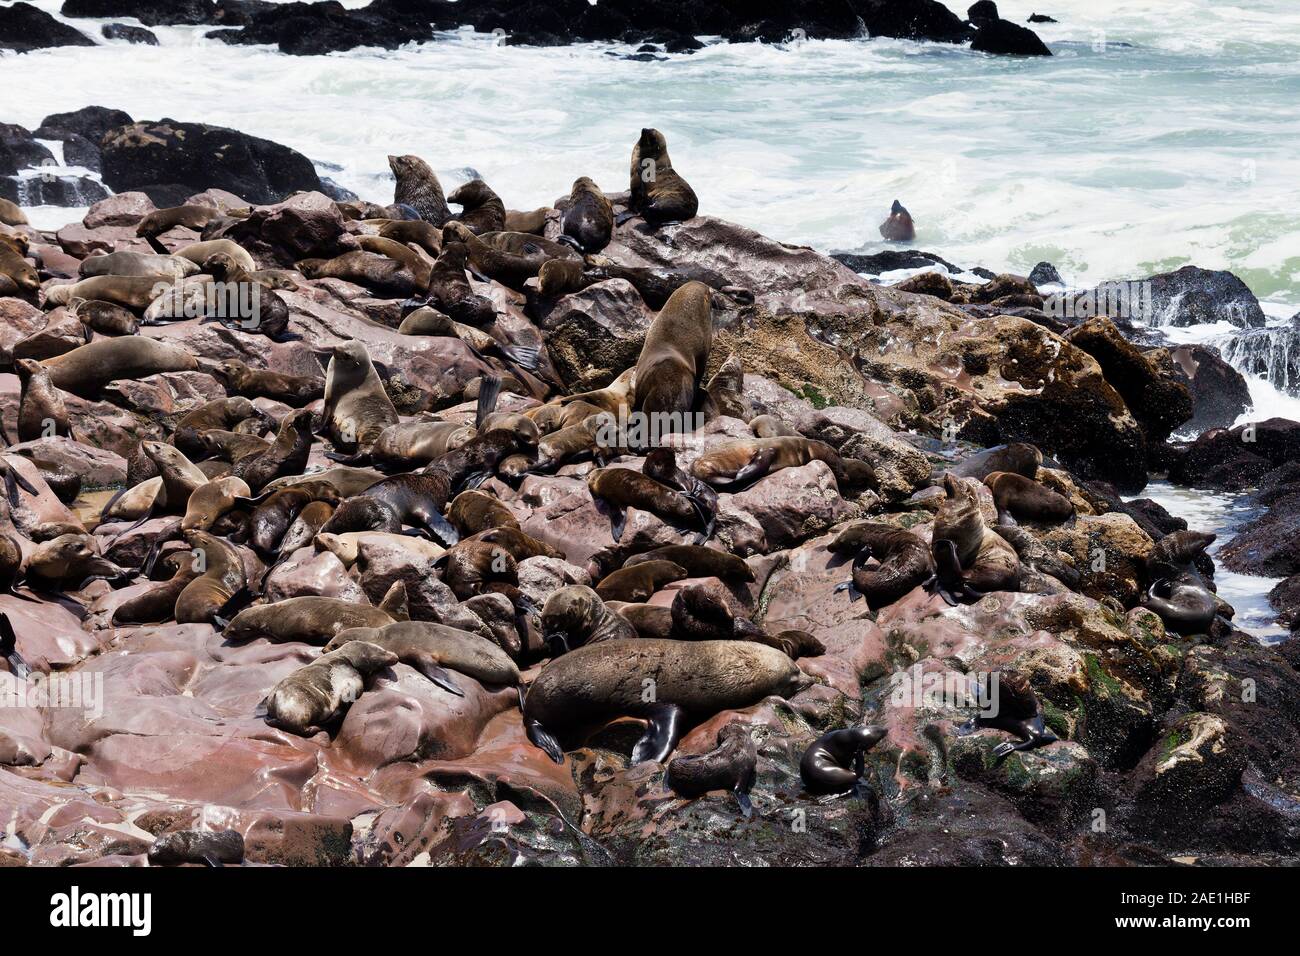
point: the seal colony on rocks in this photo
(497, 496)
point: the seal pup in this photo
(220, 413)
(200, 252)
(970, 560)
(730, 765)
(575, 616)
(1023, 499)
(158, 604)
(473, 511)
(739, 463)
(432, 648)
(1039, 557)
(213, 848)
(313, 619)
(726, 392)
(661, 465)
(105, 318)
(699, 562)
(481, 209)
(904, 562)
(898, 226)
(674, 355)
(614, 490)
(69, 559)
(835, 761)
(287, 455)
(582, 691)
(413, 444)
(450, 292)
(1013, 707)
(220, 577)
(357, 408)
(418, 232)
(659, 193)
(639, 582)
(313, 696)
(588, 220)
(649, 620)
(418, 187)
(42, 413)
(210, 501)
(276, 511)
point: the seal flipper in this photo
(440, 677)
(543, 740)
(746, 805)
(856, 595)
(9, 648)
(442, 529)
(156, 245)
(759, 465)
(489, 389)
(661, 735)
(523, 356)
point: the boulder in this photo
(152, 13)
(1219, 392)
(24, 27)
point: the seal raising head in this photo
(418, 187)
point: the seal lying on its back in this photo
(585, 689)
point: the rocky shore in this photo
(1168, 745)
(670, 26)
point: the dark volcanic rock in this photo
(1003, 36)
(92, 122)
(151, 13)
(306, 29)
(892, 259)
(19, 149)
(198, 156)
(913, 20)
(1044, 274)
(122, 31)
(1219, 392)
(24, 27)
(1236, 459)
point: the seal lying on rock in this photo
(970, 559)
(737, 464)
(728, 766)
(670, 684)
(211, 848)
(575, 616)
(1023, 499)
(1178, 592)
(313, 619)
(1014, 708)
(430, 648)
(904, 561)
(312, 697)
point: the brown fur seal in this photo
(14, 266)
(531, 221)
(575, 616)
(209, 502)
(138, 264)
(475, 567)
(312, 619)
(726, 391)
(1021, 458)
(508, 258)
(659, 194)
(85, 371)
(11, 214)
(180, 476)
(293, 390)
(273, 516)
(430, 648)
(131, 292)
(379, 274)
(42, 412)
(833, 763)
(220, 577)
(200, 252)
(482, 209)
(729, 766)
(159, 603)
(220, 413)
(699, 562)
(661, 465)
(670, 684)
(412, 444)
(769, 426)
(423, 234)
(357, 409)
(306, 526)
(616, 397)
(69, 559)
(313, 696)
(163, 220)
(520, 545)
(1178, 591)
(450, 291)
(1013, 707)
(738, 463)
(903, 558)
(589, 219)
(639, 582)
(898, 226)
(414, 260)
(674, 355)
(970, 559)
(418, 187)
(1024, 499)
(650, 620)
(474, 511)
(287, 455)
(104, 317)
(617, 489)
(231, 446)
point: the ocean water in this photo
(1161, 133)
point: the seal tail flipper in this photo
(523, 356)
(260, 711)
(544, 741)
(661, 735)
(489, 389)
(617, 522)
(236, 603)
(440, 677)
(9, 649)
(624, 217)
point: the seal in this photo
(726, 391)
(220, 413)
(69, 559)
(347, 481)
(413, 259)
(11, 214)
(835, 761)
(639, 582)
(471, 568)
(661, 465)
(413, 444)
(970, 559)
(159, 603)
(532, 220)
(450, 291)
(406, 231)
(1013, 707)
(614, 490)
(474, 511)
(431, 648)
(659, 193)
(180, 476)
(481, 209)
(287, 455)
(769, 426)
(347, 546)
(649, 620)
(231, 446)
(221, 576)
(1038, 557)
(357, 409)
(127, 263)
(42, 413)
(904, 562)
(898, 226)
(520, 545)
(674, 355)
(381, 275)
(730, 765)
(429, 321)
(1021, 458)
(104, 317)
(163, 220)
(699, 562)
(418, 187)
(132, 292)
(572, 442)
(210, 847)
(575, 616)
(737, 464)
(510, 258)
(86, 370)
(22, 276)
(1178, 591)
(293, 390)
(210, 501)
(588, 220)
(313, 619)
(313, 696)
(273, 516)
(201, 252)
(587, 688)
(1023, 499)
